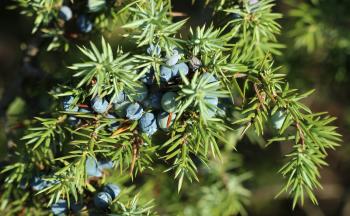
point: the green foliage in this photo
(239, 55)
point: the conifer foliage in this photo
(168, 104)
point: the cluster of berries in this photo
(101, 200)
(152, 105)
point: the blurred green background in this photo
(317, 55)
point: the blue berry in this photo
(195, 63)
(113, 126)
(96, 5)
(38, 184)
(99, 105)
(112, 189)
(148, 124)
(120, 98)
(213, 103)
(77, 206)
(163, 118)
(120, 109)
(134, 111)
(84, 110)
(173, 59)
(102, 200)
(105, 165)
(73, 121)
(60, 207)
(67, 104)
(153, 101)
(153, 49)
(140, 93)
(278, 119)
(165, 73)
(65, 13)
(84, 24)
(168, 102)
(92, 168)
(208, 77)
(148, 78)
(180, 67)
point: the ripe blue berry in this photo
(208, 77)
(180, 67)
(195, 63)
(99, 105)
(120, 98)
(105, 165)
(168, 102)
(77, 206)
(173, 59)
(38, 184)
(73, 121)
(165, 73)
(60, 207)
(278, 119)
(153, 49)
(148, 78)
(148, 124)
(134, 111)
(163, 120)
(112, 189)
(102, 200)
(92, 168)
(96, 5)
(212, 105)
(120, 109)
(140, 93)
(67, 104)
(84, 110)
(84, 24)
(153, 101)
(65, 13)
(113, 126)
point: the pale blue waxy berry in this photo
(102, 200)
(153, 101)
(76, 206)
(84, 110)
(38, 184)
(148, 78)
(134, 111)
(67, 104)
(208, 77)
(60, 207)
(212, 105)
(179, 67)
(113, 126)
(99, 105)
(120, 109)
(148, 124)
(92, 169)
(120, 98)
(168, 102)
(65, 13)
(278, 119)
(163, 119)
(84, 24)
(112, 189)
(153, 49)
(140, 93)
(72, 120)
(96, 5)
(195, 63)
(105, 165)
(166, 73)
(173, 59)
